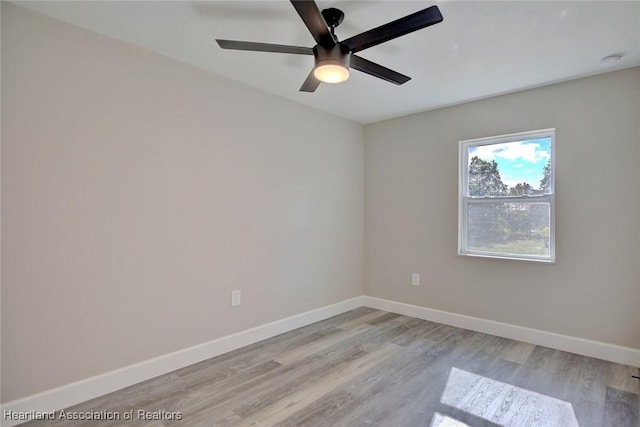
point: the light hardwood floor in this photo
(371, 368)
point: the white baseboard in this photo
(90, 388)
(599, 350)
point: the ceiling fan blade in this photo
(391, 30)
(376, 70)
(312, 18)
(264, 47)
(310, 84)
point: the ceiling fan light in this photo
(331, 73)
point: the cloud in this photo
(532, 152)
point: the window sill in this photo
(507, 257)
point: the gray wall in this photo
(138, 192)
(411, 178)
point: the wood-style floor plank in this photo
(621, 377)
(621, 409)
(319, 345)
(367, 367)
(285, 407)
(325, 411)
(518, 352)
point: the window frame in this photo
(464, 200)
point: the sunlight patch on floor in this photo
(440, 420)
(504, 404)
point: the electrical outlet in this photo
(236, 298)
(415, 279)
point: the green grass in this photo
(523, 247)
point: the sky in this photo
(518, 161)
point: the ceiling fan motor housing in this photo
(336, 55)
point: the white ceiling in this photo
(481, 49)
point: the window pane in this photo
(509, 228)
(510, 169)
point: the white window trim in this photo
(464, 201)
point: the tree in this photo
(484, 178)
(545, 182)
(518, 218)
(487, 222)
(520, 189)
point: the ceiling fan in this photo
(333, 58)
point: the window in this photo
(506, 205)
